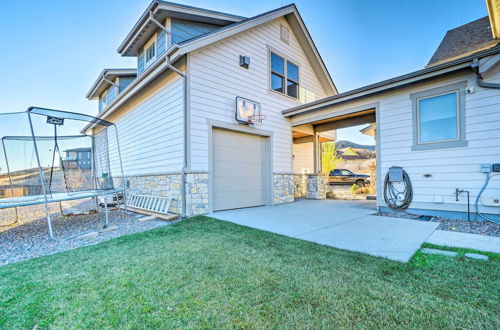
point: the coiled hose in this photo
(398, 199)
(476, 204)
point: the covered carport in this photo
(321, 121)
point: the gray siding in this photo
(183, 30)
(216, 79)
(124, 82)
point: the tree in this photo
(329, 157)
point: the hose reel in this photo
(398, 192)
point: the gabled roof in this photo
(176, 51)
(108, 74)
(160, 10)
(297, 25)
(465, 40)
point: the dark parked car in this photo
(343, 176)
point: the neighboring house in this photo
(176, 120)
(78, 158)
(440, 123)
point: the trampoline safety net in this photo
(47, 156)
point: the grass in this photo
(203, 272)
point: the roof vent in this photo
(284, 34)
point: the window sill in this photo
(440, 145)
(284, 95)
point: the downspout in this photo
(479, 79)
(185, 134)
(183, 75)
(480, 82)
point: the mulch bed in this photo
(473, 227)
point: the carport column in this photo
(316, 153)
(316, 186)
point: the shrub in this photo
(365, 190)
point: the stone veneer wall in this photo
(317, 185)
(283, 188)
(300, 183)
(196, 193)
(159, 185)
(170, 185)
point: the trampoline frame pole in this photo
(10, 176)
(42, 179)
(124, 184)
(106, 222)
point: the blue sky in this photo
(53, 50)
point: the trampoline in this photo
(51, 156)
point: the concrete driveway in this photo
(348, 225)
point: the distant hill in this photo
(346, 144)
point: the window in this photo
(284, 76)
(150, 54)
(438, 117)
(292, 81)
(102, 101)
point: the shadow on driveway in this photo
(349, 225)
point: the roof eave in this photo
(289, 11)
(158, 5)
(104, 73)
(146, 75)
(322, 72)
(390, 84)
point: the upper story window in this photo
(439, 118)
(284, 76)
(102, 101)
(150, 54)
(152, 50)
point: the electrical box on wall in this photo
(486, 168)
(244, 61)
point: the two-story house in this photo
(182, 114)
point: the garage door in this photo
(239, 170)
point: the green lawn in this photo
(208, 273)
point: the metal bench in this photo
(156, 206)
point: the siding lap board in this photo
(216, 80)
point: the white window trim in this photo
(269, 73)
(460, 141)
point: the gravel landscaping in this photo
(28, 238)
(473, 227)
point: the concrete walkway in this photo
(348, 225)
(465, 240)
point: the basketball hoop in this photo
(256, 119)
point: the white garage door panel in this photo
(227, 154)
(239, 169)
(234, 184)
(226, 201)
